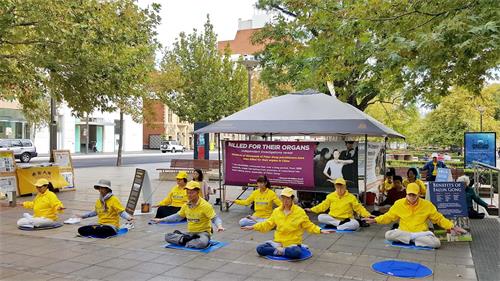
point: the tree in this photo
(370, 50)
(92, 55)
(197, 82)
(458, 113)
(405, 119)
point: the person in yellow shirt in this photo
(290, 222)
(200, 216)
(342, 205)
(108, 210)
(263, 199)
(46, 207)
(412, 177)
(413, 213)
(175, 198)
(388, 183)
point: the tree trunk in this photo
(52, 129)
(120, 141)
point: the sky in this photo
(184, 15)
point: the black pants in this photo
(97, 230)
(165, 211)
(473, 214)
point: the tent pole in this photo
(366, 162)
(271, 136)
(220, 170)
(385, 155)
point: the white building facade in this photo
(102, 132)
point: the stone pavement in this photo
(58, 254)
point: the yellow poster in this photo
(27, 178)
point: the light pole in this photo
(250, 64)
(481, 110)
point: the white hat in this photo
(434, 155)
(465, 179)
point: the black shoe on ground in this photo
(344, 221)
(363, 223)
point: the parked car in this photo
(23, 149)
(171, 146)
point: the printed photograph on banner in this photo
(8, 184)
(6, 162)
(68, 177)
(374, 164)
(334, 160)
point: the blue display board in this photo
(449, 198)
(480, 147)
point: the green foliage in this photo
(458, 113)
(93, 55)
(197, 82)
(404, 119)
(372, 50)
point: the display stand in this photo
(62, 158)
(8, 178)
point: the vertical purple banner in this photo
(284, 163)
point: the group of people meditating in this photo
(187, 201)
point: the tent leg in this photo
(366, 162)
(220, 169)
(385, 155)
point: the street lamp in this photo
(481, 110)
(250, 64)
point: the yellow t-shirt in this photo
(263, 202)
(435, 171)
(45, 205)
(199, 217)
(341, 207)
(421, 184)
(175, 198)
(414, 218)
(111, 215)
(289, 228)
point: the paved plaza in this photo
(58, 254)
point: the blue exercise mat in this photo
(407, 246)
(402, 269)
(332, 227)
(214, 245)
(170, 223)
(56, 225)
(306, 254)
(121, 231)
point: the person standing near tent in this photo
(432, 166)
(108, 210)
(413, 213)
(342, 205)
(263, 199)
(200, 216)
(206, 190)
(290, 221)
(412, 177)
(175, 199)
(333, 168)
(45, 206)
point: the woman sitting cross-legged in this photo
(263, 199)
(108, 210)
(46, 207)
(290, 222)
(342, 205)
